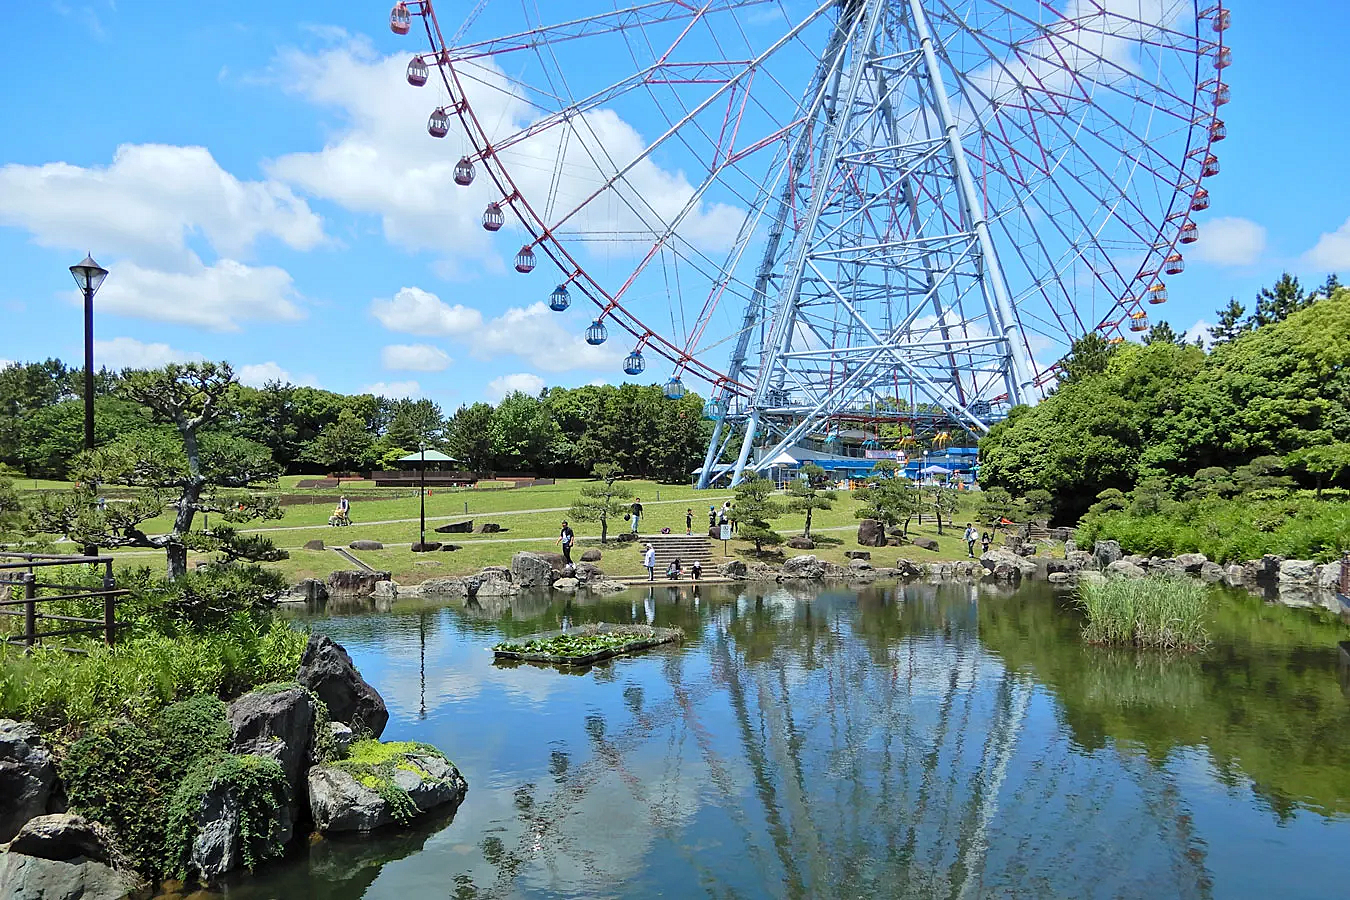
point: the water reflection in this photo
(916, 741)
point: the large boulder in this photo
(1009, 560)
(385, 590)
(566, 585)
(909, 569)
(311, 590)
(428, 547)
(1329, 576)
(218, 846)
(447, 586)
(315, 544)
(465, 527)
(800, 542)
(1298, 571)
(1125, 569)
(65, 836)
(733, 568)
(871, 533)
(925, 543)
(1262, 571)
(1170, 567)
(327, 670)
(857, 554)
(859, 565)
(1235, 575)
(605, 586)
(804, 567)
(354, 582)
(1192, 563)
(585, 572)
(1078, 560)
(365, 545)
(531, 570)
(593, 555)
(342, 801)
(27, 776)
(488, 528)
(278, 725)
(24, 877)
(1106, 552)
(1211, 572)
(493, 581)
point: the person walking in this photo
(345, 508)
(566, 537)
(635, 513)
(689, 521)
(722, 513)
(985, 541)
(971, 537)
(649, 562)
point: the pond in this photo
(953, 741)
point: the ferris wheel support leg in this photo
(747, 443)
(710, 458)
(1019, 378)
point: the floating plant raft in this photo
(586, 644)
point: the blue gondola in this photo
(634, 364)
(597, 333)
(558, 301)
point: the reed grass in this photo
(1158, 612)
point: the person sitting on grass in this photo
(674, 570)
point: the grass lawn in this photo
(530, 518)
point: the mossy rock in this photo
(229, 811)
(379, 784)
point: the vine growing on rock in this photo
(258, 787)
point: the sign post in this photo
(726, 536)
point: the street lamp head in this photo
(89, 275)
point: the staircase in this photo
(686, 548)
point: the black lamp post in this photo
(89, 276)
(422, 491)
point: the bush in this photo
(258, 786)
(1163, 612)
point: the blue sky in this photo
(212, 160)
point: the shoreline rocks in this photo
(327, 670)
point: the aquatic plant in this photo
(1158, 611)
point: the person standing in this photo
(985, 541)
(712, 517)
(566, 537)
(971, 537)
(344, 507)
(635, 513)
(649, 562)
(689, 521)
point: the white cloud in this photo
(524, 382)
(415, 311)
(1200, 330)
(218, 297)
(414, 358)
(6, 363)
(1229, 241)
(129, 353)
(394, 390)
(535, 334)
(148, 202)
(1332, 251)
(259, 374)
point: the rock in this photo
(1211, 572)
(887, 572)
(448, 586)
(339, 802)
(27, 776)
(857, 554)
(733, 568)
(604, 586)
(1298, 571)
(65, 836)
(908, 569)
(1125, 569)
(1059, 578)
(924, 543)
(218, 846)
(1329, 576)
(314, 545)
(353, 582)
(428, 547)
(311, 590)
(805, 567)
(488, 528)
(1090, 576)
(1005, 572)
(278, 725)
(327, 670)
(342, 737)
(625, 537)
(24, 877)
(587, 572)
(365, 545)
(531, 570)
(1263, 570)
(999, 556)
(871, 533)
(1105, 552)
(592, 555)
(1235, 575)
(465, 527)
(1192, 563)
(493, 581)
(451, 548)
(800, 542)
(1027, 550)
(566, 585)
(385, 590)
(762, 572)
(860, 565)
(1169, 567)
(1078, 559)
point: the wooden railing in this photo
(20, 570)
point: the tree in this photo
(187, 467)
(523, 433)
(344, 445)
(888, 498)
(1038, 504)
(1163, 333)
(13, 521)
(1327, 289)
(1088, 356)
(415, 424)
(1323, 462)
(755, 508)
(942, 499)
(996, 504)
(1275, 304)
(805, 497)
(469, 436)
(1232, 323)
(602, 501)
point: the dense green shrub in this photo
(1163, 612)
(258, 786)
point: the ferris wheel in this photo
(826, 209)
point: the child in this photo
(689, 521)
(673, 570)
(985, 539)
(695, 569)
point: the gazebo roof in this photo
(428, 456)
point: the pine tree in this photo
(1328, 287)
(805, 497)
(754, 510)
(603, 500)
(1280, 302)
(1163, 333)
(1231, 323)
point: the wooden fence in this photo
(20, 574)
